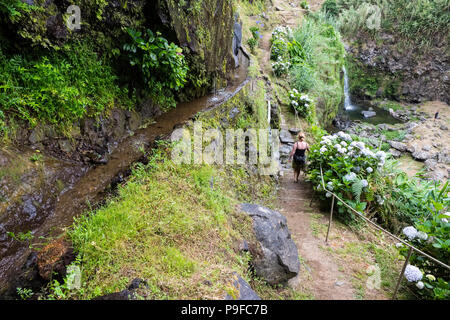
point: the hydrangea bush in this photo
(431, 234)
(349, 166)
(279, 53)
(302, 103)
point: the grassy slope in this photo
(169, 227)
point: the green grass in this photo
(167, 226)
(174, 226)
(397, 135)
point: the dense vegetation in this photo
(59, 88)
(418, 21)
(312, 57)
(55, 76)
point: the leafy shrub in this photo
(13, 9)
(331, 8)
(431, 234)
(59, 88)
(253, 44)
(279, 50)
(162, 65)
(281, 67)
(304, 5)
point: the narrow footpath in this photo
(323, 275)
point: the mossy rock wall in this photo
(205, 27)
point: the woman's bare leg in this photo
(298, 173)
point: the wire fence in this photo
(361, 215)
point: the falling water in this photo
(347, 102)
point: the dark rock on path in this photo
(279, 260)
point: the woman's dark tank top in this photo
(300, 152)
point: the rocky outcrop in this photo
(279, 259)
(387, 71)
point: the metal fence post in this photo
(402, 273)
(331, 218)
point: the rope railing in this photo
(359, 214)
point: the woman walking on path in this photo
(298, 153)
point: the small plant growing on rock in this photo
(163, 65)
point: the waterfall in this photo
(347, 103)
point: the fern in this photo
(357, 189)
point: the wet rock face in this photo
(91, 139)
(279, 260)
(207, 31)
(420, 76)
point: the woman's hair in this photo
(301, 136)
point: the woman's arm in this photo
(293, 150)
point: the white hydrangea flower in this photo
(445, 220)
(422, 235)
(410, 232)
(350, 176)
(343, 143)
(328, 195)
(413, 274)
(399, 244)
(381, 155)
(295, 90)
(420, 285)
(323, 149)
(369, 170)
(364, 183)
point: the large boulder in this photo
(279, 260)
(243, 288)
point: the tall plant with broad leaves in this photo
(162, 65)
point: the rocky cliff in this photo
(384, 69)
